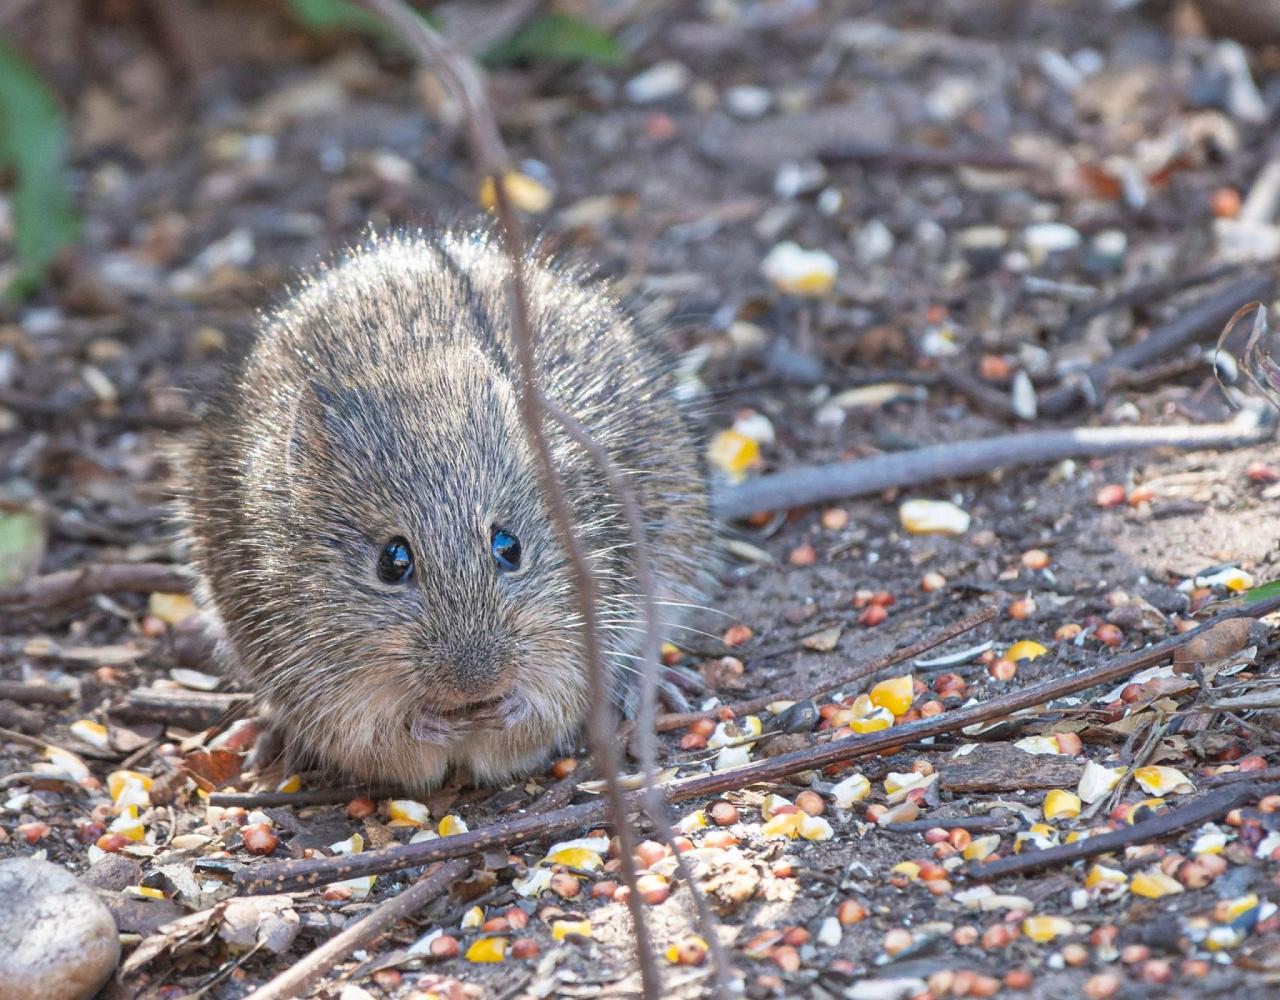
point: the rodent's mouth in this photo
(474, 710)
(444, 727)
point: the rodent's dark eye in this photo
(395, 563)
(505, 549)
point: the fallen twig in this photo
(805, 485)
(312, 797)
(1207, 807)
(678, 720)
(295, 876)
(921, 156)
(293, 981)
(1205, 317)
(34, 694)
(96, 578)
(459, 75)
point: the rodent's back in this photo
(380, 403)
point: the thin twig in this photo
(1207, 807)
(1205, 317)
(805, 485)
(312, 797)
(34, 694)
(490, 156)
(646, 733)
(316, 964)
(294, 876)
(97, 578)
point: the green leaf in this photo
(21, 545)
(335, 15)
(1257, 595)
(33, 144)
(558, 37)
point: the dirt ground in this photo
(221, 149)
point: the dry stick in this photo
(34, 694)
(491, 157)
(316, 964)
(296, 876)
(1144, 293)
(1206, 316)
(313, 797)
(646, 733)
(805, 485)
(678, 720)
(97, 578)
(1206, 807)
(299, 976)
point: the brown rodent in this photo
(368, 528)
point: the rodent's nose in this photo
(474, 671)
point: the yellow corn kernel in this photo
(733, 452)
(1232, 909)
(852, 789)
(1160, 780)
(894, 694)
(561, 929)
(815, 828)
(1101, 876)
(797, 271)
(523, 191)
(1097, 781)
(93, 733)
(1061, 804)
(1026, 649)
(933, 517)
(451, 825)
(575, 857)
(783, 825)
(171, 608)
(293, 783)
(880, 719)
(474, 917)
(488, 949)
(1153, 884)
(407, 812)
(1044, 929)
(143, 892)
(118, 782)
(981, 847)
(908, 868)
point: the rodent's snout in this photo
(469, 674)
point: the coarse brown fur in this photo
(380, 401)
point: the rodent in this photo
(369, 534)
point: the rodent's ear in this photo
(308, 434)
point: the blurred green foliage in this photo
(338, 15)
(558, 37)
(552, 37)
(33, 146)
(33, 133)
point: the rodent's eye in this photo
(505, 549)
(395, 563)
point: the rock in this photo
(659, 82)
(873, 243)
(113, 872)
(747, 102)
(1047, 239)
(57, 939)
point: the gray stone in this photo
(57, 939)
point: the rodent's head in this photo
(435, 595)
